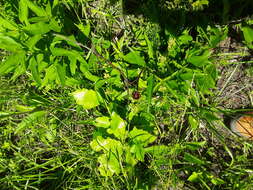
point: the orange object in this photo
(243, 125)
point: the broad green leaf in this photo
(86, 98)
(194, 177)
(138, 151)
(184, 39)
(99, 144)
(118, 126)
(109, 165)
(63, 52)
(23, 11)
(9, 44)
(205, 83)
(130, 160)
(86, 72)
(141, 136)
(134, 58)
(193, 159)
(107, 145)
(37, 28)
(33, 65)
(102, 122)
(113, 151)
(199, 60)
(248, 35)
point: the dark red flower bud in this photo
(136, 95)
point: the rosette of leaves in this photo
(120, 149)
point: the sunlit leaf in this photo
(194, 177)
(141, 136)
(86, 98)
(102, 122)
(118, 126)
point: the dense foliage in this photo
(117, 95)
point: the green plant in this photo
(92, 98)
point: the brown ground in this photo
(235, 86)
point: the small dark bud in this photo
(136, 95)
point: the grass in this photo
(173, 135)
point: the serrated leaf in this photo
(134, 58)
(86, 98)
(141, 136)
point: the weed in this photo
(92, 97)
